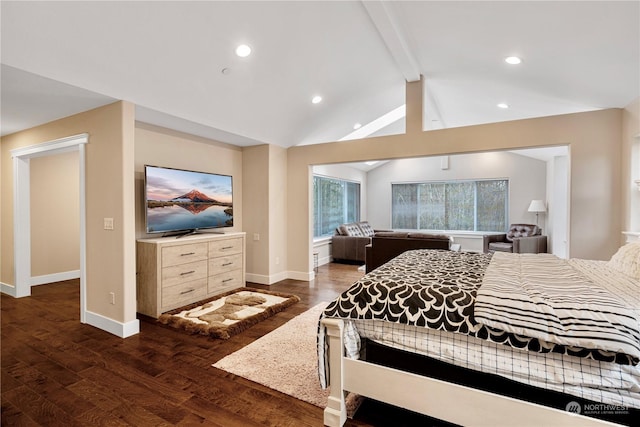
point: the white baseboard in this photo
(325, 260)
(55, 277)
(301, 275)
(263, 279)
(8, 289)
(122, 330)
(41, 280)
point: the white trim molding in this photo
(122, 330)
(264, 279)
(301, 275)
(55, 277)
(8, 289)
(22, 208)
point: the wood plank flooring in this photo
(59, 372)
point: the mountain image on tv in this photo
(194, 196)
(187, 200)
(194, 201)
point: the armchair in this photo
(521, 238)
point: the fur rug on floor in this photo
(286, 360)
(228, 314)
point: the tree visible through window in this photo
(451, 205)
(335, 202)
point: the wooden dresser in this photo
(173, 272)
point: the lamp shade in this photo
(537, 206)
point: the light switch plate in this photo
(108, 223)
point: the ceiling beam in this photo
(386, 23)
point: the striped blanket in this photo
(544, 297)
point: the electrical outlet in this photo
(256, 236)
(277, 260)
(108, 223)
(113, 298)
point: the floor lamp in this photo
(537, 206)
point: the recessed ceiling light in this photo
(243, 50)
(357, 126)
(316, 99)
(503, 105)
(513, 60)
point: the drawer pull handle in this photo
(226, 264)
(187, 272)
(224, 248)
(186, 292)
(188, 253)
(226, 280)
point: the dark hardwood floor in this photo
(59, 372)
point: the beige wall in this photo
(265, 195)
(164, 147)
(278, 224)
(595, 145)
(255, 163)
(110, 255)
(55, 214)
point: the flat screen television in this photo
(181, 201)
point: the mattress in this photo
(605, 382)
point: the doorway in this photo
(22, 213)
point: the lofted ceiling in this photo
(168, 57)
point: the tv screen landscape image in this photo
(180, 200)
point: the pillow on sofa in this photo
(522, 230)
(366, 228)
(627, 260)
(351, 229)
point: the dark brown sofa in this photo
(388, 245)
(350, 240)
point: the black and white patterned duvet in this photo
(437, 289)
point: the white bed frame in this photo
(439, 399)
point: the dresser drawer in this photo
(225, 281)
(225, 263)
(174, 255)
(176, 274)
(225, 247)
(183, 293)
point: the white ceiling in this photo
(59, 58)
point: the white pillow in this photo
(627, 260)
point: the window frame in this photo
(345, 203)
(475, 203)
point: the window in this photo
(451, 205)
(335, 202)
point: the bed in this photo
(561, 336)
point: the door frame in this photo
(22, 212)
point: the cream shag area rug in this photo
(286, 360)
(229, 313)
